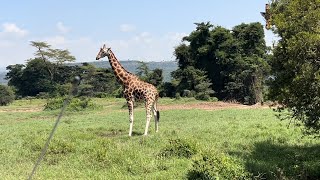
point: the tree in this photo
(14, 76)
(154, 77)
(295, 82)
(233, 60)
(35, 78)
(192, 82)
(52, 57)
(142, 70)
(6, 95)
(44, 73)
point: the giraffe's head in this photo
(104, 51)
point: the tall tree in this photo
(295, 82)
(234, 61)
(52, 57)
(14, 76)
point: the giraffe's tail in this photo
(158, 116)
(156, 110)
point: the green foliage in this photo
(295, 82)
(96, 81)
(179, 148)
(58, 56)
(192, 79)
(154, 77)
(234, 61)
(214, 165)
(168, 90)
(76, 104)
(6, 95)
(14, 75)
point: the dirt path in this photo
(26, 109)
(201, 105)
(209, 106)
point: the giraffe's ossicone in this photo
(134, 89)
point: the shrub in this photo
(76, 104)
(179, 148)
(42, 95)
(62, 90)
(6, 95)
(177, 96)
(101, 95)
(213, 165)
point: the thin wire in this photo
(73, 91)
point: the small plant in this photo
(6, 95)
(179, 148)
(213, 165)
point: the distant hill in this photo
(131, 66)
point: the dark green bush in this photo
(213, 165)
(101, 95)
(179, 148)
(76, 104)
(6, 95)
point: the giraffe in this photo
(133, 89)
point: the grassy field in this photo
(94, 144)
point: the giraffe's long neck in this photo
(121, 74)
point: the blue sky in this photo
(142, 29)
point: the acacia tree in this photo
(40, 74)
(52, 57)
(295, 82)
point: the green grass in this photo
(95, 144)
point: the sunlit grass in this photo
(95, 144)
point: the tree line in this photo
(213, 63)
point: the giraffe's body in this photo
(134, 89)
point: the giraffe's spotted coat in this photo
(134, 89)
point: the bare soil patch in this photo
(209, 106)
(26, 109)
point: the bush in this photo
(213, 165)
(42, 95)
(76, 104)
(6, 95)
(62, 90)
(179, 148)
(101, 95)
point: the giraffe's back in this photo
(141, 90)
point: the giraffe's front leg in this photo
(130, 107)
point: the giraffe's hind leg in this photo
(148, 112)
(130, 107)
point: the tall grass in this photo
(94, 144)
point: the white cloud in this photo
(62, 28)
(13, 29)
(127, 28)
(56, 40)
